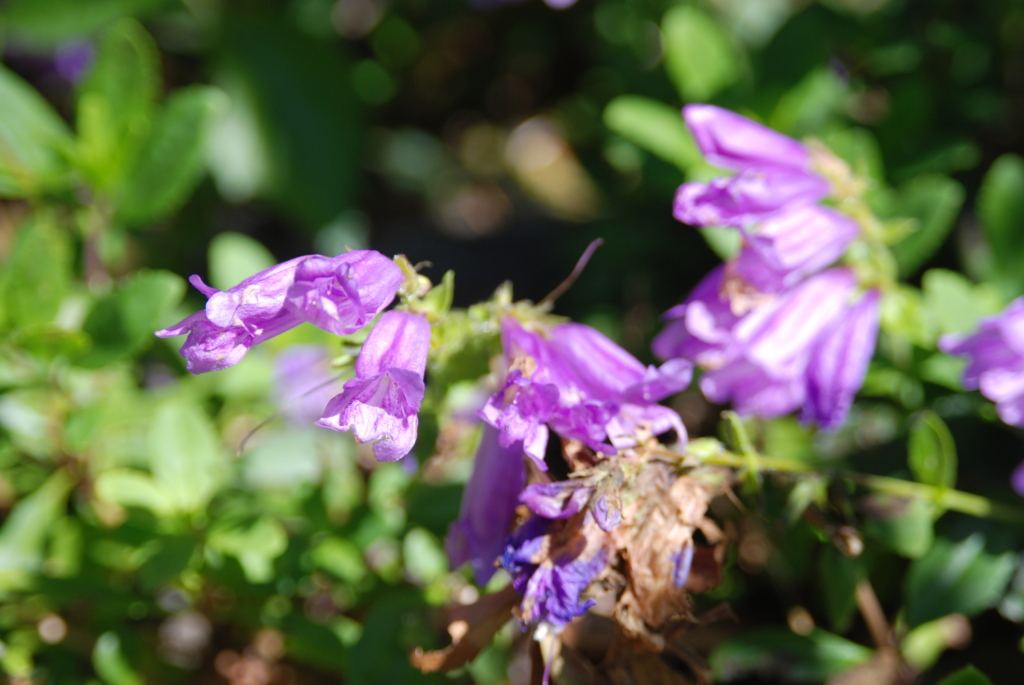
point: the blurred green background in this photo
(145, 140)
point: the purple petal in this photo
(606, 515)
(752, 391)
(1017, 480)
(734, 142)
(560, 500)
(839, 363)
(488, 507)
(654, 419)
(257, 298)
(702, 327)
(305, 382)
(751, 196)
(520, 412)
(682, 563)
(658, 383)
(398, 341)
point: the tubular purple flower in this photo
(304, 382)
(788, 247)
(744, 199)
(701, 328)
(733, 141)
(339, 294)
(996, 360)
(576, 381)
(488, 507)
(380, 404)
(840, 361)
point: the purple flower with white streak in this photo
(583, 386)
(995, 366)
(381, 403)
(488, 507)
(806, 348)
(339, 294)
(774, 171)
(551, 569)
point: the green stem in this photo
(947, 498)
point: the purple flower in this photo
(577, 381)
(305, 382)
(734, 142)
(73, 59)
(996, 360)
(774, 171)
(699, 329)
(560, 500)
(380, 404)
(339, 294)
(682, 562)
(746, 198)
(840, 361)
(551, 574)
(488, 507)
(807, 347)
(786, 248)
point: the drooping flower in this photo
(380, 404)
(774, 171)
(579, 383)
(488, 506)
(551, 564)
(339, 294)
(807, 347)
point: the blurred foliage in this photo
(162, 528)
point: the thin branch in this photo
(571, 278)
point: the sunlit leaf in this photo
(35, 280)
(654, 126)
(1001, 213)
(255, 547)
(110, 663)
(233, 257)
(185, 454)
(24, 532)
(932, 451)
(699, 56)
(810, 104)
(935, 201)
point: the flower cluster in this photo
(338, 294)
(775, 329)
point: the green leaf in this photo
(699, 56)
(255, 547)
(52, 22)
(1001, 212)
(26, 528)
(425, 560)
(922, 646)
(110, 663)
(932, 451)
(839, 577)
(904, 316)
(654, 126)
(810, 104)
(132, 488)
(35, 280)
(954, 304)
(439, 299)
(779, 652)
(234, 257)
(904, 526)
(859, 148)
(186, 457)
(953, 578)
(115, 104)
(724, 242)
(122, 323)
(966, 676)
(935, 201)
(341, 558)
(171, 160)
(33, 140)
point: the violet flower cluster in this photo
(571, 380)
(341, 295)
(774, 328)
(995, 366)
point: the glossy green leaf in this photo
(233, 257)
(34, 140)
(966, 676)
(171, 160)
(1001, 213)
(932, 451)
(122, 323)
(115, 104)
(778, 652)
(654, 126)
(35, 280)
(961, 577)
(700, 58)
(185, 455)
(110, 663)
(904, 526)
(935, 201)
